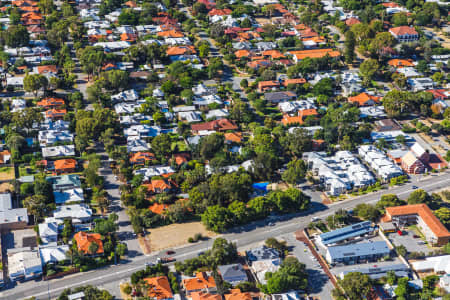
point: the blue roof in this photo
(351, 231)
(358, 250)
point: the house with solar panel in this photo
(346, 234)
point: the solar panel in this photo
(349, 254)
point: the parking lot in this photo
(411, 243)
(319, 284)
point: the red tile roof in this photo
(84, 240)
(424, 212)
(159, 288)
(403, 30)
(216, 125)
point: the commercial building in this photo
(420, 214)
(24, 264)
(355, 253)
(436, 264)
(346, 233)
(11, 218)
(376, 272)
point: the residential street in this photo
(243, 236)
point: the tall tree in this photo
(350, 43)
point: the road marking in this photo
(295, 222)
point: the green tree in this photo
(34, 82)
(291, 275)
(36, 205)
(16, 36)
(161, 145)
(389, 200)
(296, 170)
(356, 285)
(121, 249)
(366, 212)
(419, 196)
(204, 50)
(443, 215)
(350, 43)
(217, 219)
(368, 69)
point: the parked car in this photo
(416, 236)
(170, 252)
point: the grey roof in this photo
(5, 201)
(232, 270)
(358, 250)
(262, 253)
(279, 96)
(379, 270)
(351, 231)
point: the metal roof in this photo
(344, 233)
(358, 250)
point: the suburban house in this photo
(435, 232)
(236, 294)
(233, 273)
(202, 282)
(48, 232)
(61, 166)
(11, 218)
(84, 241)
(79, 213)
(159, 288)
(215, 125)
(50, 103)
(68, 196)
(364, 99)
(277, 97)
(5, 157)
(140, 158)
(205, 296)
(53, 253)
(56, 151)
(404, 34)
(298, 55)
(64, 182)
(157, 186)
(267, 85)
(50, 137)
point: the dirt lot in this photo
(6, 173)
(175, 235)
(6, 187)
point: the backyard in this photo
(6, 173)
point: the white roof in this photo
(418, 149)
(5, 202)
(53, 253)
(65, 150)
(75, 211)
(48, 229)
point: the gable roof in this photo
(84, 240)
(403, 30)
(47, 102)
(220, 12)
(400, 63)
(424, 212)
(199, 282)
(409, 159)
(219, 124)
(236, 294)
(159, 288)
(63, 164)
(204, 296)
(158, 208)
(315, 53)
(181, 50)
(363, 98)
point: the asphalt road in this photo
(242, 236)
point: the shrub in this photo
(190, 240)
(198, 237)
(127, 289)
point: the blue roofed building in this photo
(376, 272)
(65, 182)
(355, 253)
(344, 234)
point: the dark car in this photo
(415, 187)
(170, 252)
